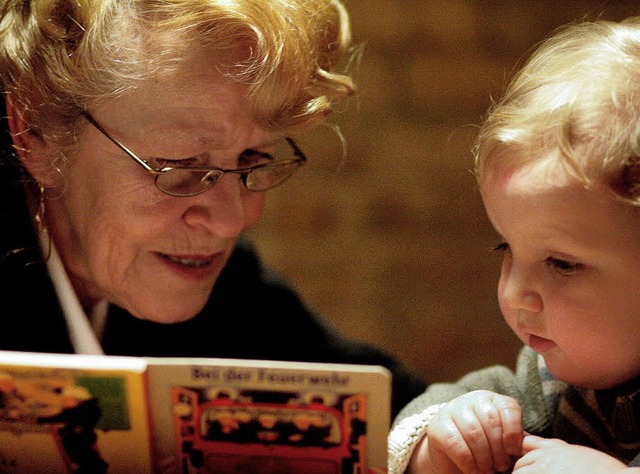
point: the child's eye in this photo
(564, 267)
(501, 247)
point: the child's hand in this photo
(479, 432)
(549, 456)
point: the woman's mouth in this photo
(194, 262)
(193, 267)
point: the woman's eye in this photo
(251, 157)
(160, 163)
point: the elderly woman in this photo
(140, 139)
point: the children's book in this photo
(79, 414)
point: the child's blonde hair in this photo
(577, 98)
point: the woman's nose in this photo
(222, 209)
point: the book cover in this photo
(231, 416)
(69, 414)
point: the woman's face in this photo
(122, 239)
(570, 276)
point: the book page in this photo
(72, 413)
(227, 416)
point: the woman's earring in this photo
(45, 237)
(41, 209)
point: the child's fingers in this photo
(511, 422)
(471, 423)
(448, 447)
(501, 421)
(479, 432)
(532, 442)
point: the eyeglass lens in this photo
(189, 182)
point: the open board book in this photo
(97, 414)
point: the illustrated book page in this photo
(234, 416)
(66, 413)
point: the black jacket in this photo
(251, 313)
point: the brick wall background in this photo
(393, 246)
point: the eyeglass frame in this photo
(243, 172)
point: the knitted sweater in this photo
(608, 420)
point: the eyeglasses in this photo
(185, 182)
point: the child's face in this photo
(570, 280)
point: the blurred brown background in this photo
(393, 246)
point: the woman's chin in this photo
(169, 314)
(170, 318)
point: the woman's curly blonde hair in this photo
(60, 57)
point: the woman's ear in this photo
(32, 150)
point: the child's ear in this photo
(32, 150)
